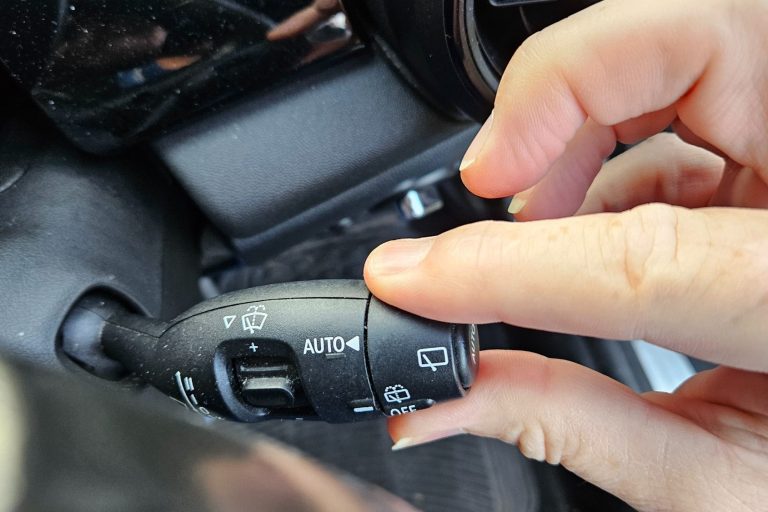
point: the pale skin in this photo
(668, 243)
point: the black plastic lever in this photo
(322, 349)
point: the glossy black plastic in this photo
(110, 72)
(455, 51)
(423, 41)
(495, 28)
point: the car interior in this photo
(158, 154)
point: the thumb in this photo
(694, 281)
(621, 442)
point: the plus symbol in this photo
(253, 347)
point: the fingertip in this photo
(468, 413)
(394, 428)
(519, 202)
(398, 256)
(483, 169)
(475, 149)
(516, 205)
(510, 159)
(495, 175)
(374, 280)
(390, 275)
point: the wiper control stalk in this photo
(308, 350)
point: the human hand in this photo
(691, 274)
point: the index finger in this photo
(613, 62)
(693, 281)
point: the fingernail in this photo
(408, 442)
(516, 205)
(399, 255)
(477, 145)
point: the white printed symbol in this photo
(396, 394)
(254, 319)
(354, 343)
(229, 320)
(330, 345)
(253, 347)
(432, 357)
(186, 389)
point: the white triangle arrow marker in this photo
(354, 343)
(228, 321)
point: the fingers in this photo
(747, 391)
(621, 60)
(729, 404)
(695, 281)
(663, 169)
(631, 448)
(562, 190)
(635, 130)
(585, 67)
(742, 187)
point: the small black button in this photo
(362, 406)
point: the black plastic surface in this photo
(496, 28)
(537, 17)
(423, 40)
(455, 51)
(300, 350)
(411, 360)
(109, 73)
(277, 168)
(81, 334)
(72, 224)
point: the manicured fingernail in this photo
(477, 145)
(408, 442)
(516, 205)
(399, 255)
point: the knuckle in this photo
(537, 440)
(665, 258)
(667, 141)
(535, 48)
(532, 442)
(537, 65)
(647, 242)
(538, 435)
